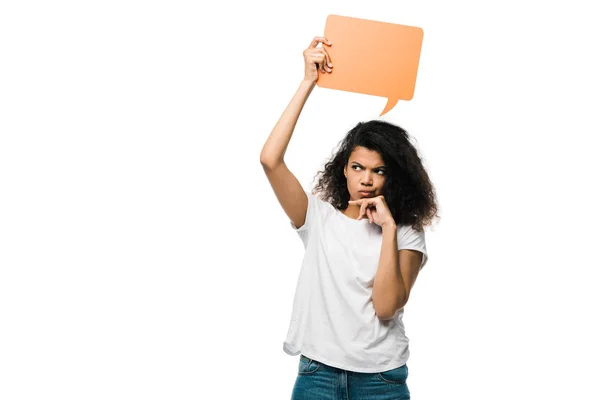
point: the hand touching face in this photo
(376, 209)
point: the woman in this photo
(364, 247)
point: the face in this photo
(365, 171)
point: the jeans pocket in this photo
(307, 366)
(396, 375)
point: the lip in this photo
(365, 193)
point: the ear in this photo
(345, 174)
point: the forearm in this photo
(276, 145)
(389, 293)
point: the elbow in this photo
(389, 312)
(269, 163)
(385, 314)
(263, 160)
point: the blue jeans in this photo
(318, 381)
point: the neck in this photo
(352, 211)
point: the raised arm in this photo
(287, 188)
(277, 142)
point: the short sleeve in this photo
(412, 239)
(311, 214)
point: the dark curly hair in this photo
(407, 190)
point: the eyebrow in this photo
(356, 162)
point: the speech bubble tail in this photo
(390, 104)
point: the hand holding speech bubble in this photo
(372, 57)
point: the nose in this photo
(366, 179)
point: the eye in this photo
(379, 170)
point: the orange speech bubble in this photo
(372, 57)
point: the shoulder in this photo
(410, 238)
(320, 204)
(408, 230)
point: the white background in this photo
(143, 254)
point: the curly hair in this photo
(407, 190)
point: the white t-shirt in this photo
(333, 320)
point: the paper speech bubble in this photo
(372, 57)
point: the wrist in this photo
(389, 225)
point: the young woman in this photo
(364, 247)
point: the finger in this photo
(363, 208)
(355, 202)
(325, 60)
(370, 214)
(315, 61)
(321, 59)
(319, 39)
(314, 56)
(326, 64)
(320, 55)
(328, 58)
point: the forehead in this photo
(365, 156)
